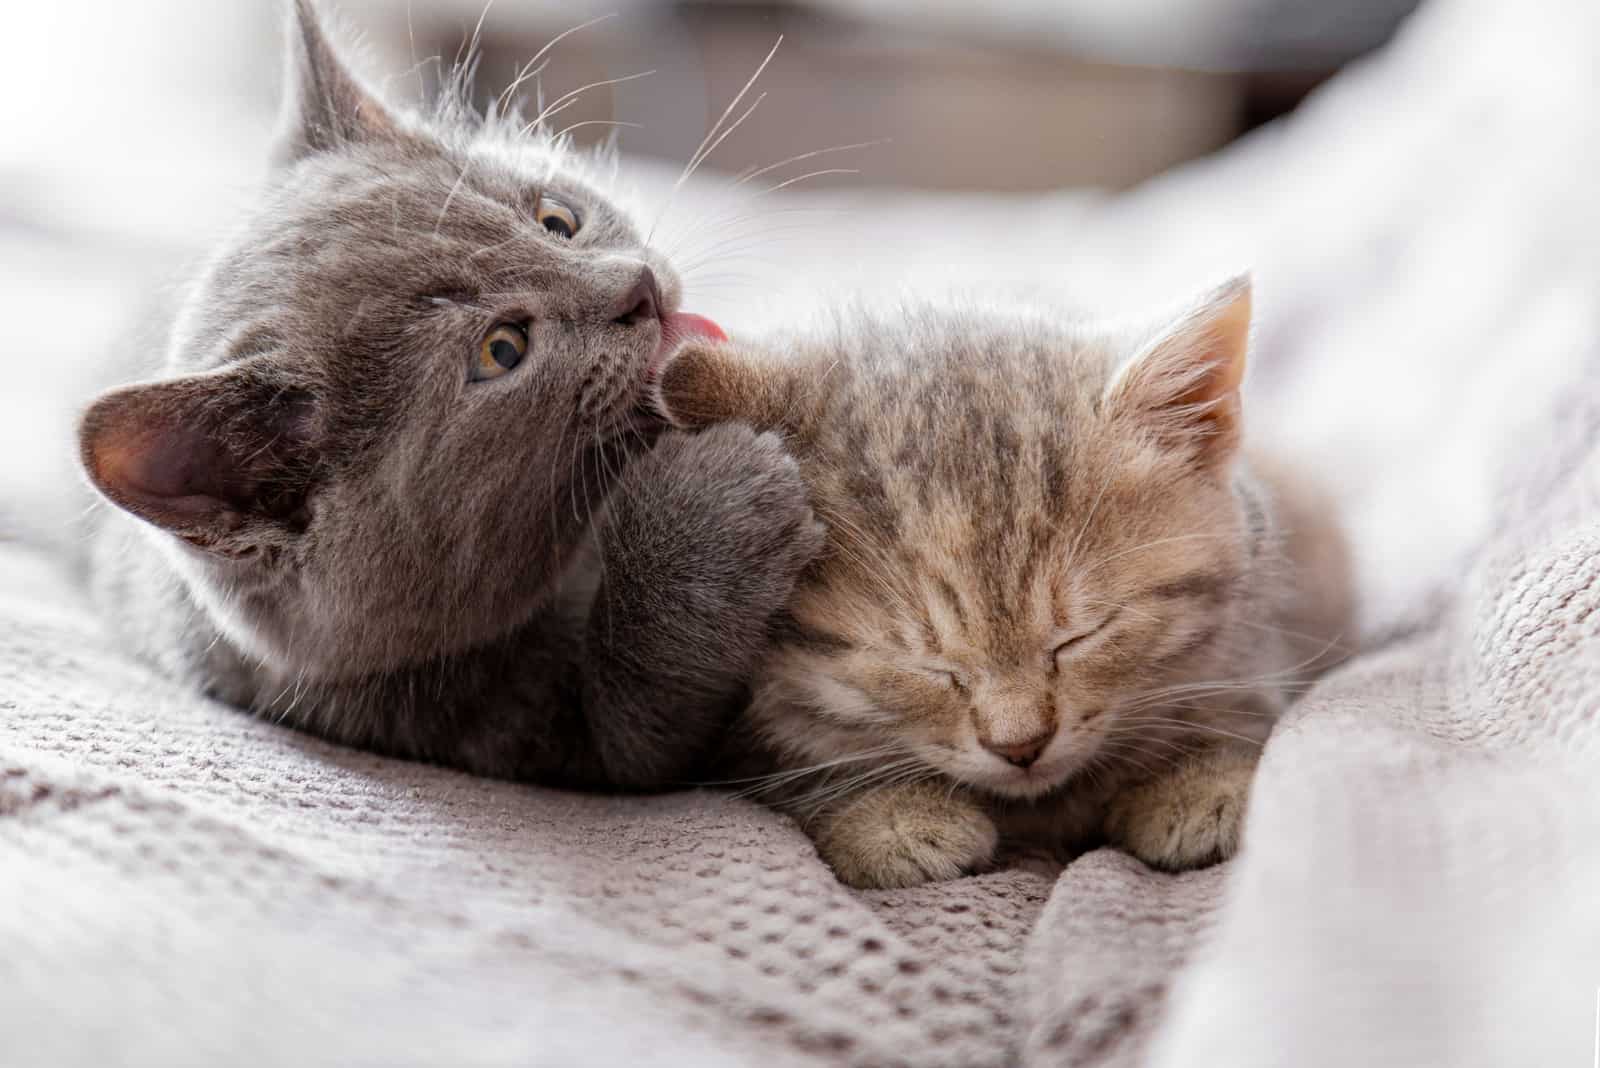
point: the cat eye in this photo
(944, 677)
(556, 217)
(502, 349)
(1074, 641)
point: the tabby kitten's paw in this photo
(1188, 818)
(904, 836)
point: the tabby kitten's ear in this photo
(224, 460)
(325, 105)
(706, 384)
(1184, 384)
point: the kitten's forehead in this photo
(375, 227)
(427, 187)
(992, 493)
(990, 439)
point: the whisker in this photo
(523, 74)
(1123, 747)
(1072, 552)
(450, 198)
(561, 102)
(810, 174)
(1152, 545)
(701, 152)
(1192, 725)
(791, 773)
(819, 799)
(749, 176)
(565, 130)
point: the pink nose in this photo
(1022, 753)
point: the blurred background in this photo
(1030, 94)
(1015, 95)
(134, 131)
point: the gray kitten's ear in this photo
(224, 460)
(705, 384)
(1184, 384)
(325, 105)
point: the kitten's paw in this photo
(693, 388)
(906, 836)
(1190, 818)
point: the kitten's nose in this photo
(642, 302)
(1022, 753)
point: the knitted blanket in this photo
(182, 884)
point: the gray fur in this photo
(326, 521)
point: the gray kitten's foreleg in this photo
(701, 548)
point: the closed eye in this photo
(943, 675)
(1071, 641)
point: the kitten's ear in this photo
(223, 460)
(325, 105)
(1184, 384)
(705, 384)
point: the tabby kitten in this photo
(394, 485)
(1057, 604)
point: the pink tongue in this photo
(681, 326)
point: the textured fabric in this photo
(181, 884)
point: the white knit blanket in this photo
(1420, 883)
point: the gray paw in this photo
(703, 544)
(738, 497)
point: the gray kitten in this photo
(1059, 602)
(394, 485)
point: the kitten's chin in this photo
(1027, 787)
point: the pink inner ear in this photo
(1185, 384)
(1216, 380)
(202, 456)
(167, 474)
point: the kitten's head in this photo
(394, 398)
(1033, 528)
